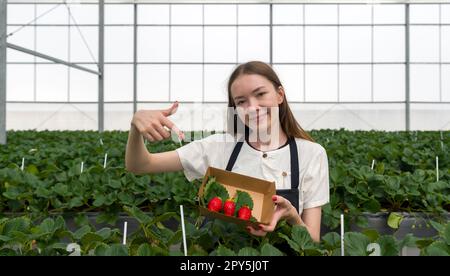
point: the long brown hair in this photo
(288, 123)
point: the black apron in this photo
(289, 194)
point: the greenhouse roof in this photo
(236, 1)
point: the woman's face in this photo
(256, 100)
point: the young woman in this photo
(263, 140)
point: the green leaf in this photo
(16, 224)
(164, 217)
(43, 192)
(248, 251)
(394, 220)
(331, 241)
(117, 250)
(76, 202)
(145, 250)
(423, 243)
(409, 240)
(223, 251)
(243, 198)
(105, 233)
(336, 174)
(61, 189)
(269, 250)
(81, 232)
(81, 220)
(5, 238)
(60, 224)
(58, 245)
(8, 252)
(140, 216)
(90, 238)
(12, 193)
(115, 184)
(213, 189)
(446, 234)
(99, 200)
(101, 250)
(126, 198)
(372, 205)
(379, 168)
(389, 246)
(313, 252)
(196, 250)
(371, 234)
(107, 217)
(301, 236)
(32, 169)
(361, 221)
(355, 244)
(295, 246)
(437, 248)
(176, 238)
(47, 226)
(439, 227)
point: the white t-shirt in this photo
(215, 151)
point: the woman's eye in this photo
(240, 102)
(260, 94)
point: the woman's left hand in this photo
(283, 210)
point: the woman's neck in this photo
(268, 142)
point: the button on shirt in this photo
(215, 150)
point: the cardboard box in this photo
(260, 190)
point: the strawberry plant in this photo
(403, 179)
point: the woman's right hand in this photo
(154, 124)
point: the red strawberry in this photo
(244, 213)
(215, 204)
(229, 207)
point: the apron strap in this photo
(234, 155)
(295, 174)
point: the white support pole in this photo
(373, 164)
(82, 167)
(104, 162)
(125, 226)
(437, 168)
(183, 230)
(342, 235)
(23, 164)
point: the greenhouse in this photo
(224, 128)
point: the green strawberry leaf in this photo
(394, 220)
(242, 199)
(213, 189)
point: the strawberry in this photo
(244, 213)
(215, 204)
(229, 207)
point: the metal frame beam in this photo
(47, 57)
(233, 2)
(101, 64)
(135, 71)
(407, 71)
(3, 7)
